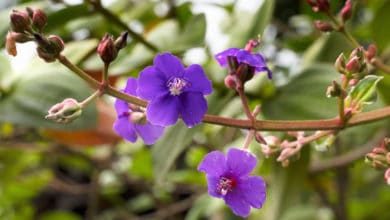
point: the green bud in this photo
(65, 112)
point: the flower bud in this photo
(245, 72)
(107, 49)
(20, 21)
(387, 176)
(230, 81)
(334, 90)
(353, 82)
(39, 19)
(353, 65)
(10, 44)
(386, 143)
(371, 51)
(346, 11)
(233, 64)
(340, 63)
(49, 48)
(65, 112)
(319, 5)
(323, 26)
(251, 44)
(121, 41)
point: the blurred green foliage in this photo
(44, 178)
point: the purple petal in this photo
(194, 107)
(238, 205)
(121, 107)
(255, 59)
(131, 86)
(240, 162)
(163, 110)
(212, 183)
(169, 65)
(149, 133)
(214, 164)
(222, 56)
(125, 129)
(151, 83)
(253, 190)
(199, 82)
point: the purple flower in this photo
(132, 120)
(174, 91)
(254, 60)
(228, 178)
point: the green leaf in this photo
(142, 164)
(249, 25)
(286, 185)
(59, 18)
(4, 71)
(364, 93)
(193, 34)
(59, 215)
(169, 147)
(36, 91)
(379, 30)
(304, 96)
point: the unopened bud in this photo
(49, 48)
(386, 143)
(10, 44)
(65, 112)
(371, 51)
(107, 49)
(319, 5)
(233, 64)
(353, 65)
(346, 11)
(285, 163)
(20, 21)
(230, 81)
(353, 82)
(121, 41)
(251, 44)
(387, 176)
(245, 72)
(340, 63)
(259, 138)
(379, 150)
(334, 90)
(39, 19)
(323, 26)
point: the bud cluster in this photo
(379, 158)
(323, 6)
(355, 67)
(27, 26)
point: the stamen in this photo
(176, 85)
(226, 185)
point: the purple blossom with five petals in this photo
(254, 60)
(228, 178)
(126, 127)
(174, 91)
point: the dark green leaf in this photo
(304, 97)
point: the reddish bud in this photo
(319, 5)
(230, 81)
(346, 11)
(387, 176)
(371, 51)
(57, 43)
(323, 26)
(20, 21)
(251, 44)
(39, 19)
(107, 49)
(353, 82)
(353, 65)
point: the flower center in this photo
(176, 85)
(226, 184)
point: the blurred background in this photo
(83, 170)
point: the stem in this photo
(341, 29)
(90, 98)
(310, 138)
(380, 65)
(248, 139)
(114, 19)
(105, 74)
(261, 125)
(245, 105)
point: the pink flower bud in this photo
(230, 81)
(340, 64)
(251, 44)
(20, 21)
(319, 5)
(39, 19)
(346, 11)
(371, 51)
(107, 49)
(353, 82)
(65, 112)
(353, 65)
(323, 26)
(387, 176)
